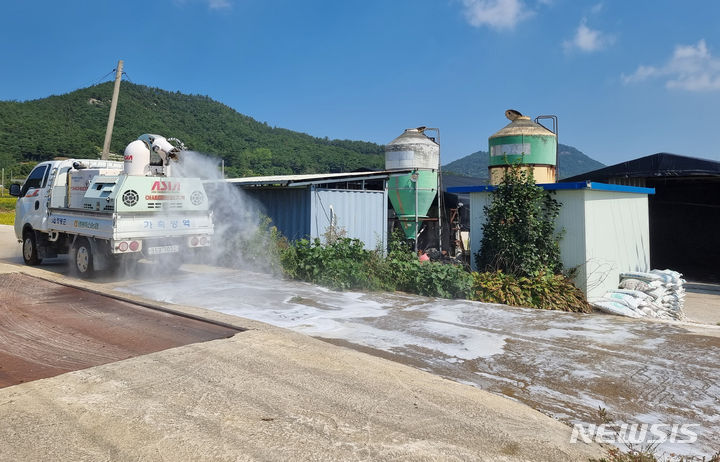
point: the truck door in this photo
(31, 205)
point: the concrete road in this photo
(9, 246)
(563, 364)
(702, 302)
(265, 394)
(268, 394)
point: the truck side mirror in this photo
(15, 190)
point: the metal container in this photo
(413, 149)
(307, 212)
(525, 143)
(137, 159)
(412, 194)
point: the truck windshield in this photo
(34, 180)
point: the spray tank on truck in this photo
(103, 213)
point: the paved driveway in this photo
(565, 365)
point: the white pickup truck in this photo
(104, 213)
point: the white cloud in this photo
(219, 4)
(212, 4)
(588, 40)
(498, 14)
(691, 68)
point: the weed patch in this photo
(542, 290)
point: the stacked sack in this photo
(657, 294)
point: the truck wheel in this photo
(81, 259)
(29, 249)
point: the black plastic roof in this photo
(450, 180)
(653, 166)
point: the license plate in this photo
(163, 249)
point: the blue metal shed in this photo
(305, 206)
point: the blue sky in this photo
(625, 78)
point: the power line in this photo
(96, 81)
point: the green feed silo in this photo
(412, 193)
(525, 143)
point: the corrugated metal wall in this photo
(288, 208)
(605, 233)
(301, 213)
(362, 214)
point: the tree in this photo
(519, 232)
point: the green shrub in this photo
(519, 232)
(431, 279)
(543, 290)
(345, 264)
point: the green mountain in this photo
(73, 125)
(572, 162)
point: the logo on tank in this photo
(167, 186)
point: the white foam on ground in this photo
(489, 346)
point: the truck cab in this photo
(31, 209)
(45, 187)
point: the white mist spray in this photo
(237, 218)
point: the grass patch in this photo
(7, 210)
(7, 203)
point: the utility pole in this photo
(113, 107)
